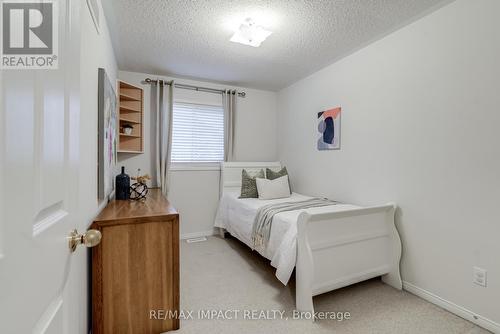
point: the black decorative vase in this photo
(122, 186)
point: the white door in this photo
(41, 289)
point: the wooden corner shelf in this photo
(128, 120)
(131, 136)
(130, 112)
(128, 97)
(129, 152)
(124, 109)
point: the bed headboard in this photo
(231, 172)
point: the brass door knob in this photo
(90, 238)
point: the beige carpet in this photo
(223, 274)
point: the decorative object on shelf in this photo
(107, 135)
(127, 129)
(122, 186)
(329, 129)
(139, 190)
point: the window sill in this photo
(195, 166)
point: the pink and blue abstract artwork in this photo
(329, 129)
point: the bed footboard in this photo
(345, 247)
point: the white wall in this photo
(96, 51)
(195, 193)
(419, 127)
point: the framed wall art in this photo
(329, 129)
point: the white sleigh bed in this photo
(330, 247)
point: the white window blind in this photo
(197, 133)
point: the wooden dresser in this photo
(135, 268)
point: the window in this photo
(197, 133)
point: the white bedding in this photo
(237, 217)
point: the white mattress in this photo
(237, 217)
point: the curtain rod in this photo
(190, 87)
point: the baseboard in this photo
(197, 234)
(453, 308)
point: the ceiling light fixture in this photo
(250, 34)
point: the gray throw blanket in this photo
(262, 224)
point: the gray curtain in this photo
(164, 105)
(229, 105)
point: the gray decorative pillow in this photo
(271, 175)
(249, 185)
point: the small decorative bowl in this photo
(127, 130)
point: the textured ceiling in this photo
(190, 38)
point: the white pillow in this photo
(277, 188)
